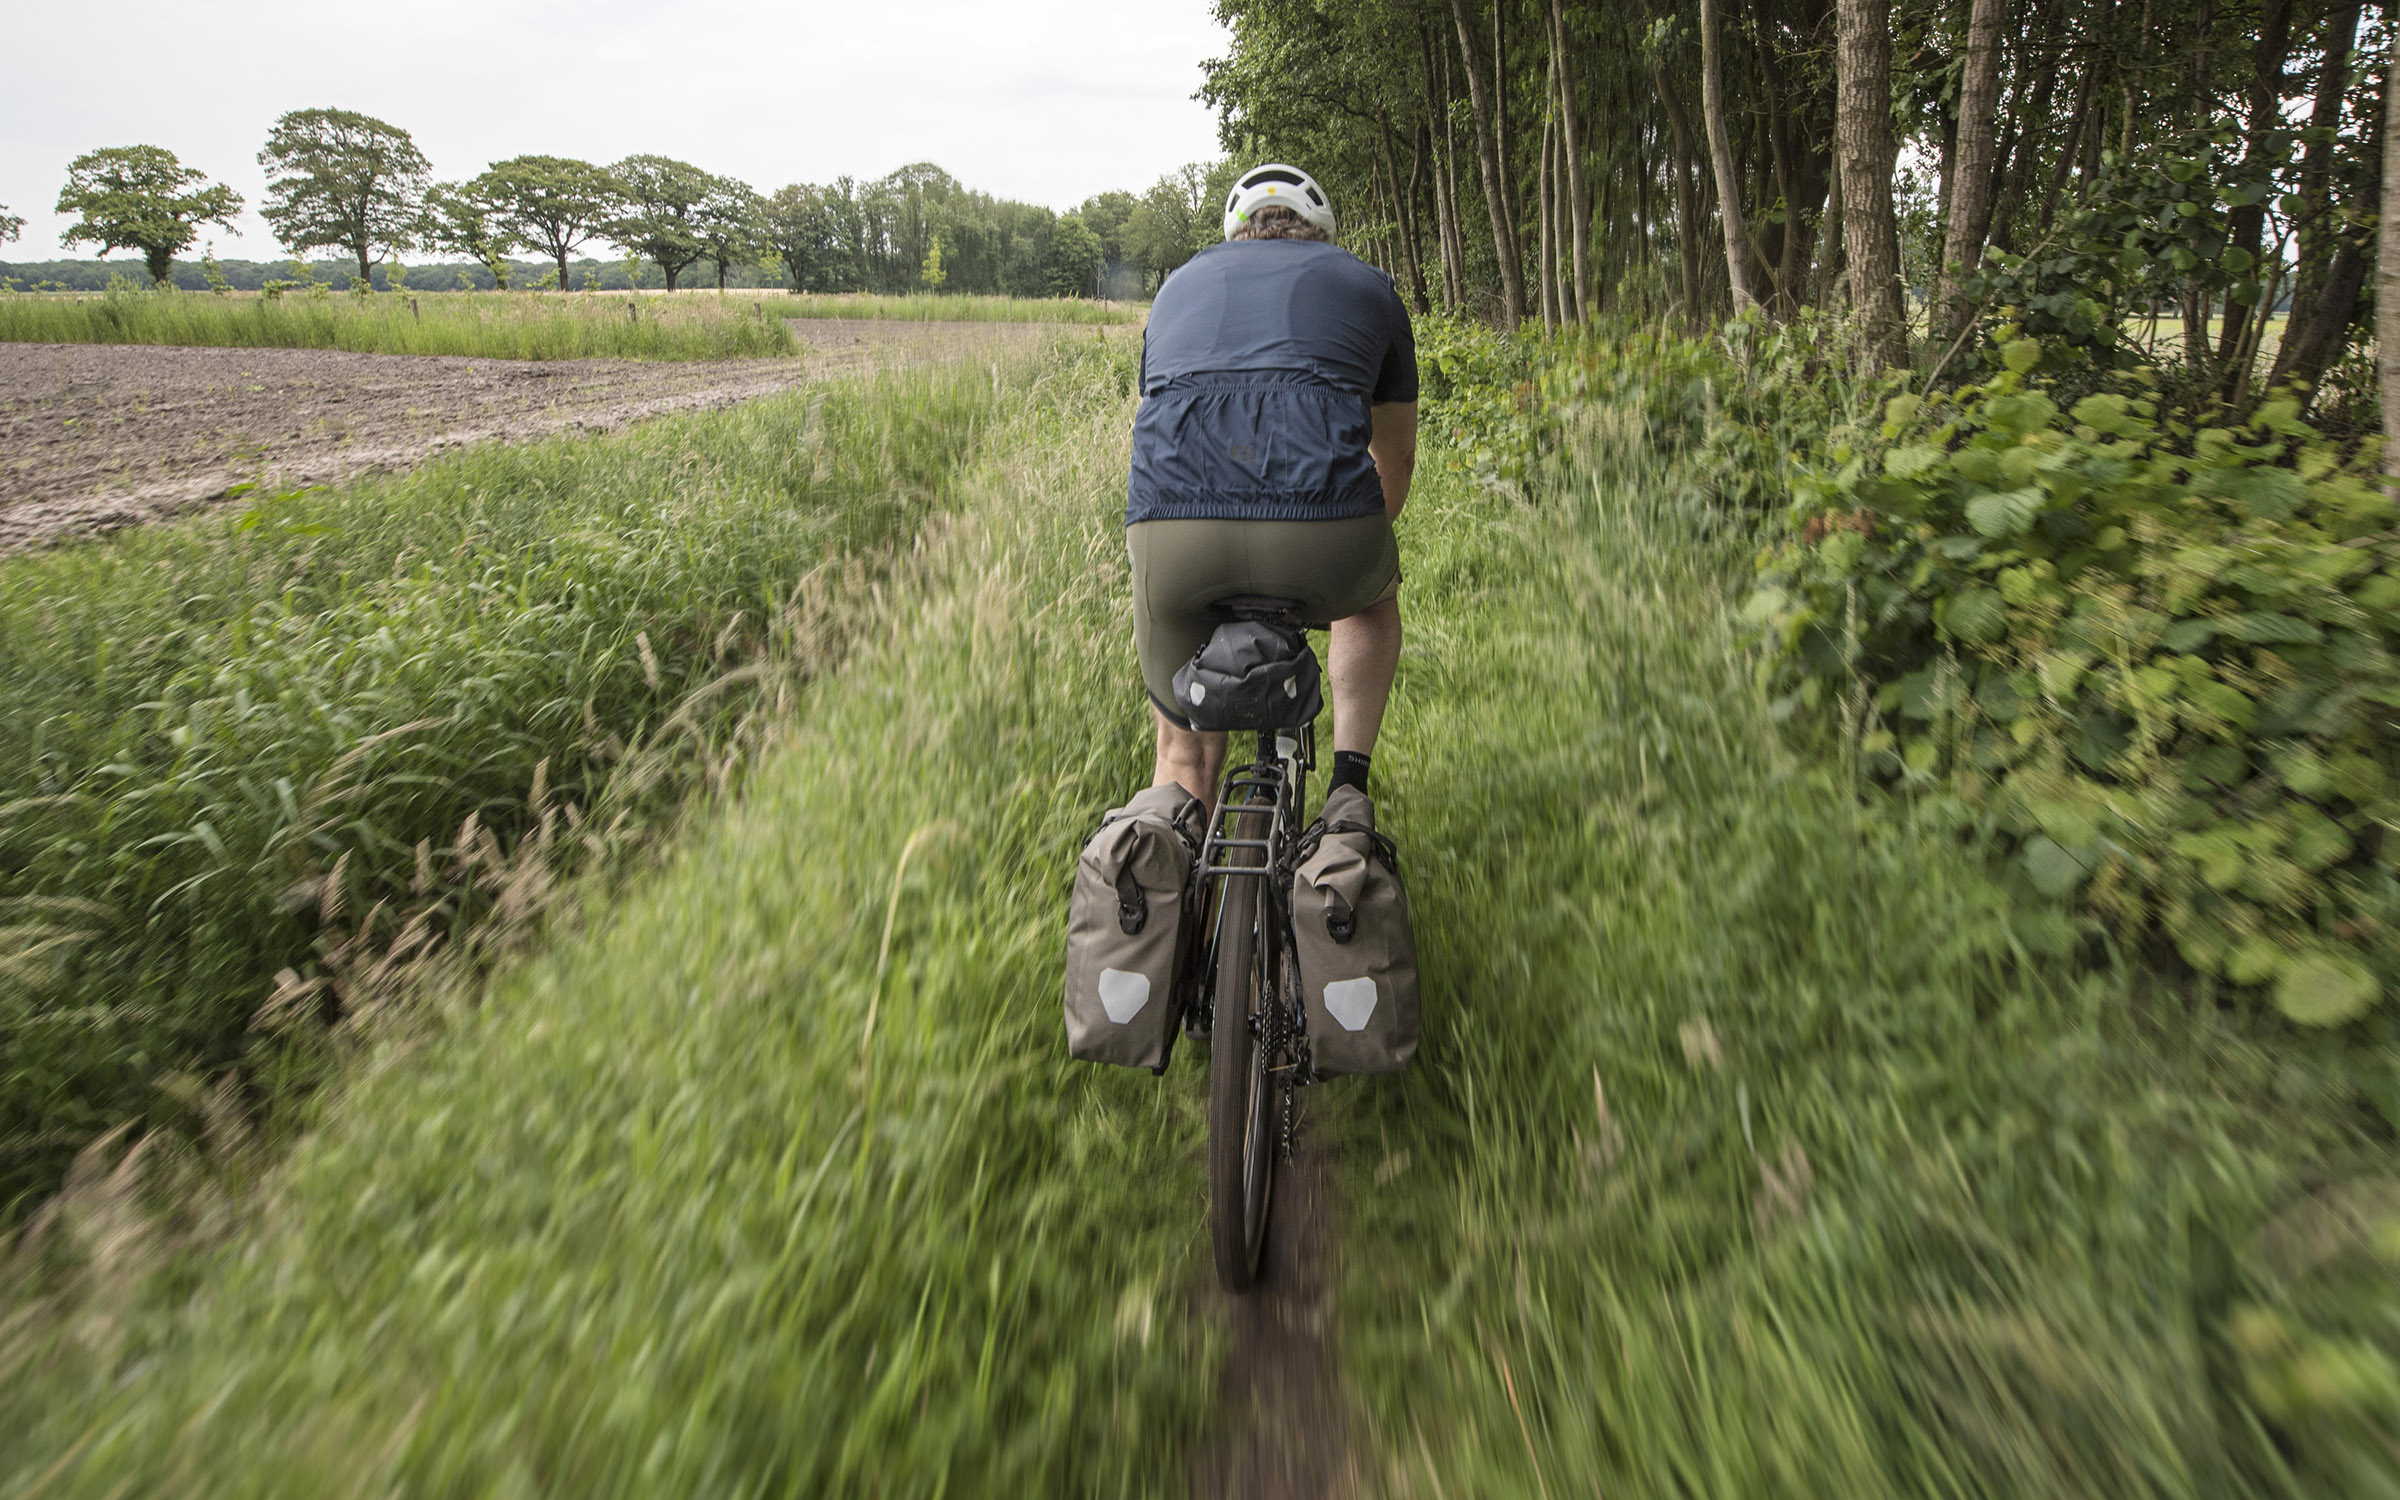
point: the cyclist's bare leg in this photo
(1365, 655)
(1188, 758)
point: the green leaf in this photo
(2004, 512)
(2053, 870)
(2324, 989)
(2021, 355)
(1976, 615)
(2188, 635)
(2236, 260)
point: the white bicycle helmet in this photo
(1276, 185)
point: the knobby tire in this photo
(1241, 1154)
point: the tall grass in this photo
(958, 309)
(777, 1181)
(480, 325)
(1757, 1145)
(253, 764)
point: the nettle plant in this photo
(2157, 660)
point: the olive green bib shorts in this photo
(1183, 569)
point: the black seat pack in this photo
(1252, 674)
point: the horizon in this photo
(987, 93)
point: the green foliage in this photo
(341, 180)
(771, 1179)
(11, 225)
(555, 203)
(662, 211)
(487, 327)
(1076, 254)
(465, 219)
(2158, 661)
(2145, 232)
(316, 736)
(141, 198)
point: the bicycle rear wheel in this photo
(1241, 1145)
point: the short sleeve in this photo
(1397, 380)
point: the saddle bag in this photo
(1126, 929)
(1252, 674)
(1357, 952)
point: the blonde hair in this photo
(1275, 222)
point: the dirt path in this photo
(97, 437)
(1290, 1431)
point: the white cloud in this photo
(1047, 100)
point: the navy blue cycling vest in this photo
(1259, 365)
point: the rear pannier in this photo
(1358, 955)
(1126, 929)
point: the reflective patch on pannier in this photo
(1350, 932)
(1127, 928)
(1123, 995)
(1351, 1002)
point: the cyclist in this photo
(1271, 454)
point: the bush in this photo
(2157, 661)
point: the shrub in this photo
(2156, 660)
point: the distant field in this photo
(482, 325)
(954, 309)
(487, 325)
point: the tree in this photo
(796, 228)
(660, 216)
(1174, 221)
(10, 225)
(555, 204)
(464, 219)
(141, 198)
(1495, 188)
(2387, 273)
(339, 180)
(1863, 133)
(1075, 257)
(1720, 157)
(729, 222)
(1971, 175)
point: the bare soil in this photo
(1289, 1433)
(96, 437)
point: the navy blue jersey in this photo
(1259, 365)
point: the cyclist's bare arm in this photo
(1394, 448)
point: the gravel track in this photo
(96, 437)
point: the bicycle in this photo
(1256, 1067)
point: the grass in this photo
(957, 309)
(315, 737)
(777, 1181)
(483, 325)
(1757, 1148)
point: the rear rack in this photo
(1264, 782)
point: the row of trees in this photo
(2094, 164)
(345, 182)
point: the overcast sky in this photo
(1044, 100)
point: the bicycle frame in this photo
(1276, 776)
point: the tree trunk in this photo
(365, 279)
(1863, 131)
(2076, 127)
(2387, 277)
(562, 270)
(1971, 175)
(1546, 246)
(1720, 157)
(2318, 227)
(1687, 208)
(1829, 266)
(1579, 191)
(2024, 159)
(1495, 190)
(2245, 226)
(1404, 209)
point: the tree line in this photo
(359, 187)
(2096, 170)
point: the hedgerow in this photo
(2155, 659)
